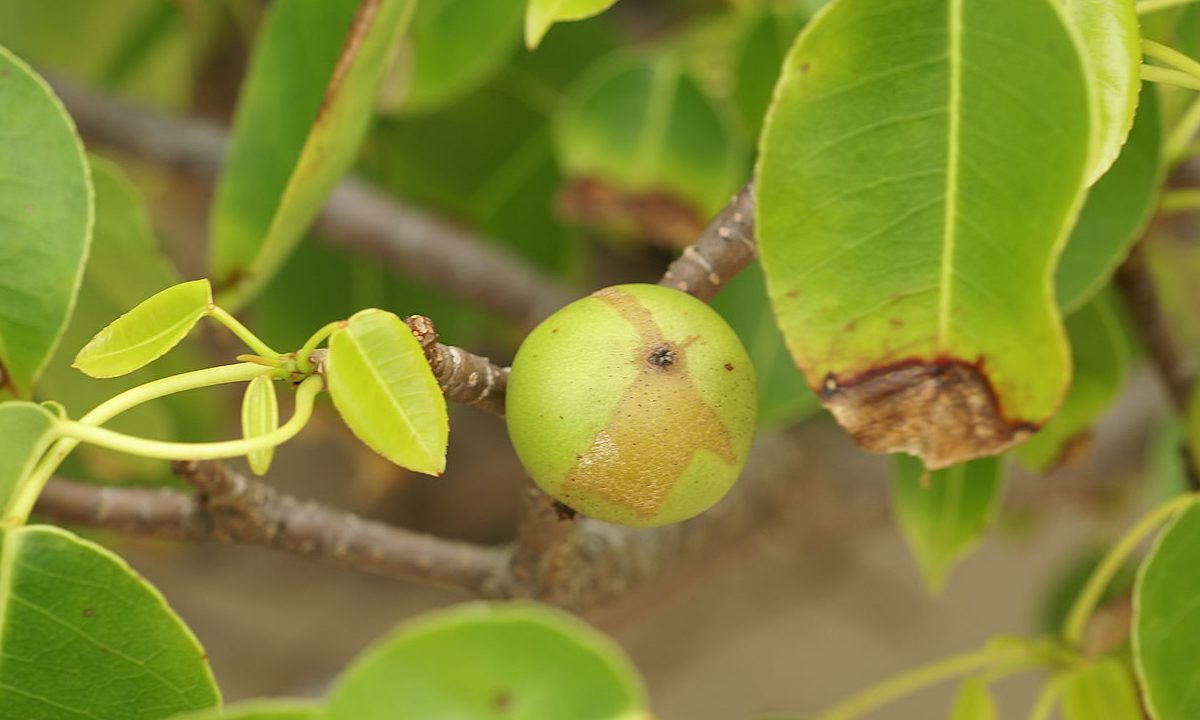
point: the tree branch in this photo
(725, 247)
(464, 377)
(356, 217)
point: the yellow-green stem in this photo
(302, 362)
(1172, 57)
(1176, 201)
(1089, 596)
(1148, 6)
(1043, 706)
(1175, 146)
(243, 333)
(1153, 73)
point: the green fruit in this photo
(634, 405)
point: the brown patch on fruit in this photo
(626, 460)
(944, 412)
(651, 217)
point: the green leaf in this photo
(297, 128)
(1117, 210)
(1112, 52)
(757, 59)
(26, 430)
(45, 223)
(147, 332)
(260, 416)
(479, 662)
(260, 710)
(456, 46)
(943, 514)
(1102, 690)
(541, 14)
(82, 635)
(1100, 360)
(973, 701)
(1166, 621)
(913, 194)
(382, 386)
(643, 125)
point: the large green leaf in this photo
(480, 662)
(260, 710)
(541, 14)
(943, 513)
(1166, 621)
(83, 636)
(383, 388)
(147, 332)
(973, 701)
(45, 223)
(1108, 33)
(26, 430)
(1100, 357)
(297, 129)
(913, 194)
(757, 58)
(1117, 209)
(1102, 690)
(455, 46)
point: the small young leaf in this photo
(46, 212)
(1166, 621)
(382, 386)
(1100, 358)
(479, 662)
(260, 415)
(973, 701)
(541, 14)
(146, 332)
(1102, 690)
(93, 639)
(26, 430)
(260, 710)
(942, 514)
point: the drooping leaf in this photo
(973, 701)
(1117, 209)
(147, 332)
(456, 46)
(1100, 360)
(82, 635)
(1108, 33)
(1102, 690)
(260, 416)
(541, 14)
(627, 137)
(944, 513)
(1166, 621)
(297, 128)
(260, 710)
(479, 662)
(26, 430)
(45, 223)
(383, 388)
(912, 196)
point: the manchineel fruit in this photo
(635, 405)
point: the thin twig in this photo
(464, 377)
(725, 247)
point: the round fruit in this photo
(634, 405)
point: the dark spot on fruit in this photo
(729, 366)
(553, 330)
(895, 322)
(803, 67)
(502, 702)
(663, 355)
(88, 612)
(792, 294)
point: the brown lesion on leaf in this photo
(651, 217)
(360, 26)
(943, 411)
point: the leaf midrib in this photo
(173, 328)
(953, 107)
(420, 441)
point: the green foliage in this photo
(383, 388)
(260, 415)
(931, 217)
(147, 332)
(973, 701)
(480, 662)
(45, 224)
(541, 14)
(26, 430)
(82, 635)
(1101, 690)
(260, 710)
(297, 129)
(943, 513)
(1166, 621)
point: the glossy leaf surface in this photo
(1166, 621)
(384, 390)
(45, 223)
(973, 701)
(541, 14)
(260, 416)
(82, 635)
(944, 513)
(1102, 690)
(260, 710)
(26, 430)
(480, 662)
(1117, 209)
(297, 128)
(1100, 360)
(147, 332)
(913, 193)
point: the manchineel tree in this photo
(961, 220)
